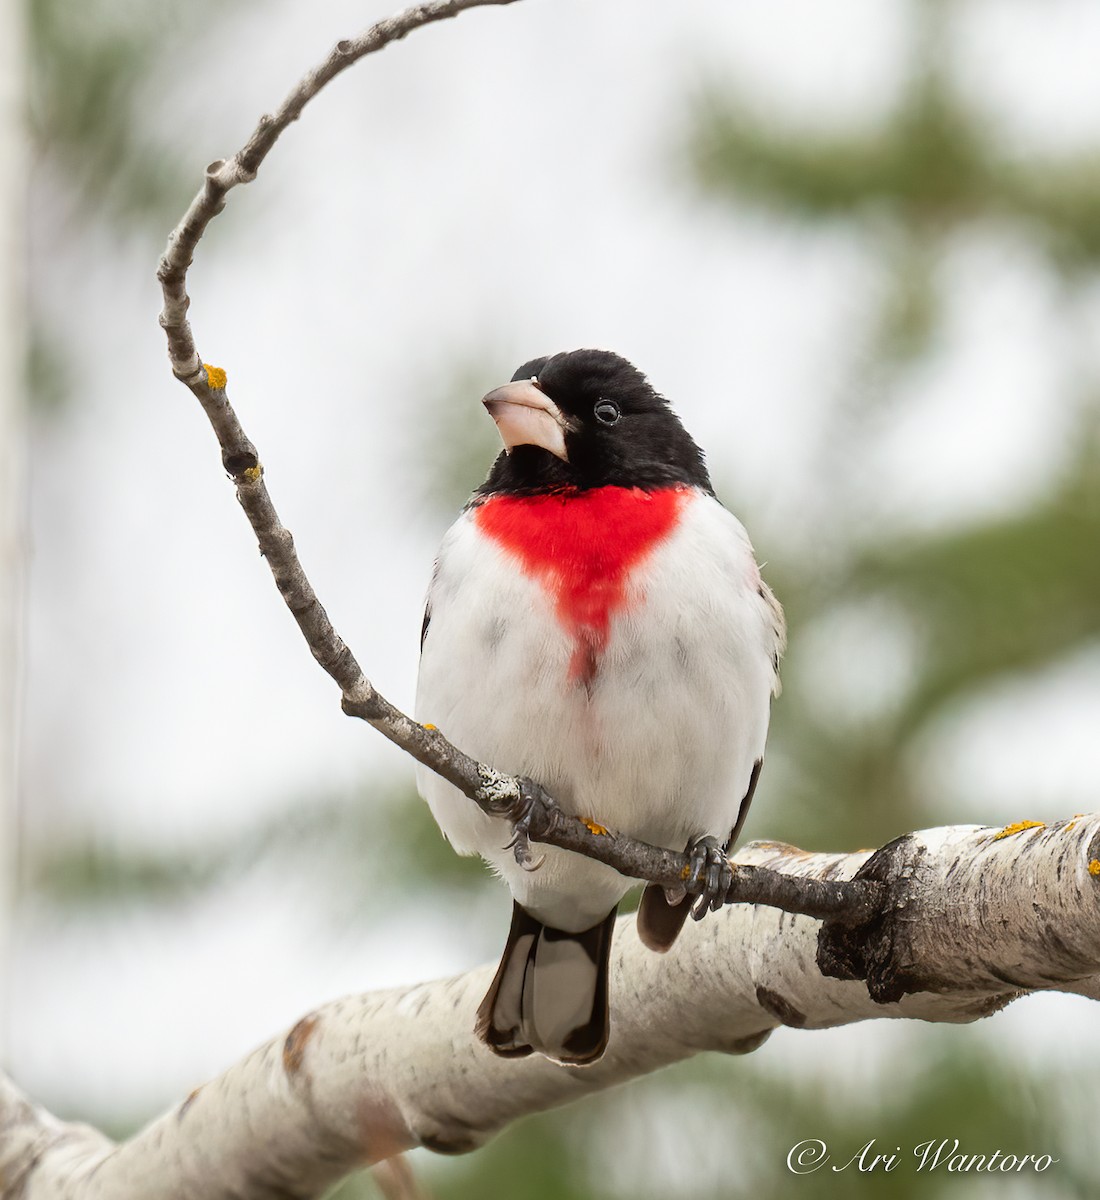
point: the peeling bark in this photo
(990, 927)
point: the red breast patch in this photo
(582, 546)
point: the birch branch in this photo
(975, 918)
(514, 798)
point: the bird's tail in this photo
(549, 993)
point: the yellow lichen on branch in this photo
(594, 827)
(1017, 827)
(215, 376)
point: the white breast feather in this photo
(660, 746)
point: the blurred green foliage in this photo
(1010, 594)
(96, 158)
(959, 1092)
(90, 75)
(341, 837)
(462, 444)
(925, 170)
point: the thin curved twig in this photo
(508, 796)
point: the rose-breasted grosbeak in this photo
(597, 622)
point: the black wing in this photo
(424, 627)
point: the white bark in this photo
(975, 918)
(12, 355)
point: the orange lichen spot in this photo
(594, 827)
(685, 872)
(433, 728)
(254, 474)
(1094, 867)
(215, 376)
(294, 1048)
(1070, 826)
(1017, 827)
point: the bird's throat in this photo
(581, 547)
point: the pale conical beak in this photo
(526, 416)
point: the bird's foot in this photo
(709, 876)
(532, 800)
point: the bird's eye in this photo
(606, 412)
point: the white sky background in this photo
(494, 188)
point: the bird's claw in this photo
(710, 876)
(520, 845)
(531, 796)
